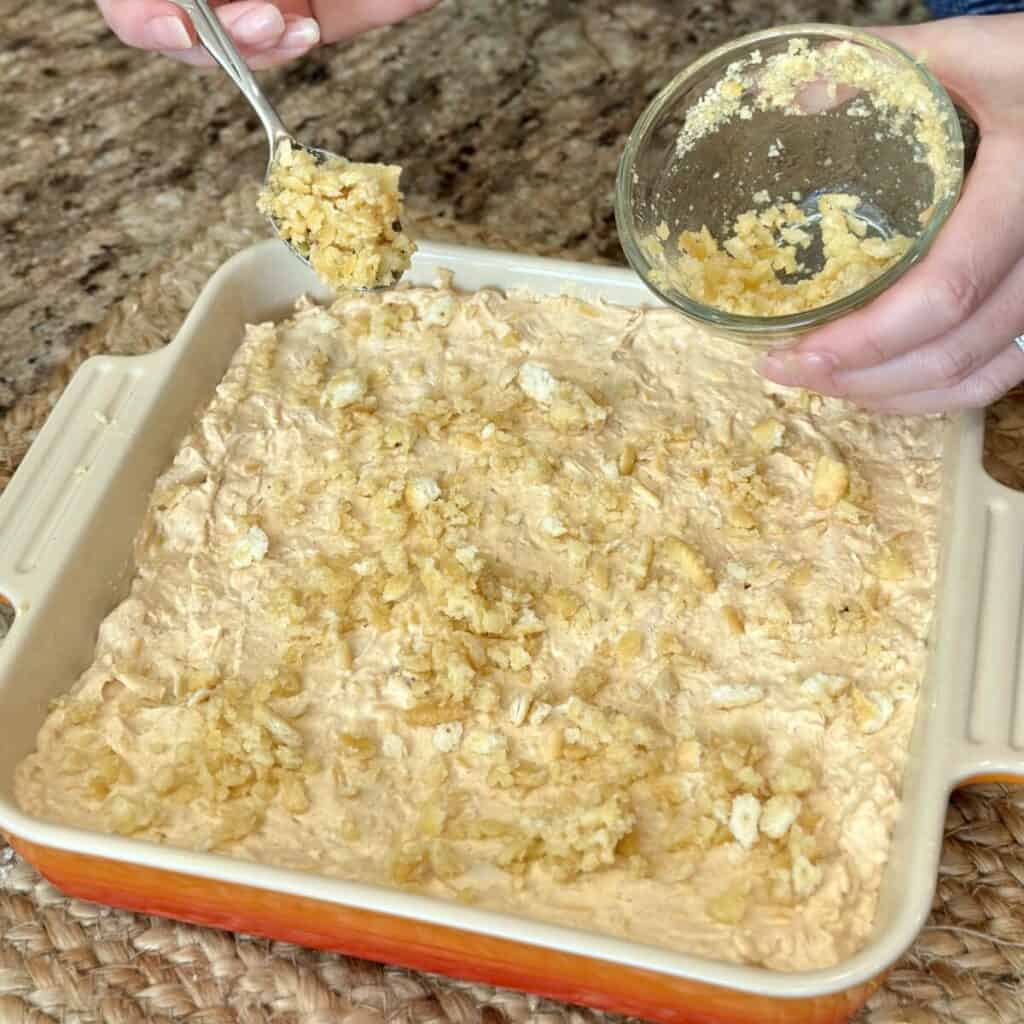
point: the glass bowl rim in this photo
(772, 325)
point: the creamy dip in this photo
(545, 606)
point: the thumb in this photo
(150, 25)
(254, 25)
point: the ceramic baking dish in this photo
(67, 521)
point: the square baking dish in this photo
(67, 523)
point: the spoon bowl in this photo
(219, 45)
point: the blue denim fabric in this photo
(955, 8)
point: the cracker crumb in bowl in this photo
(757, 271)
(786, 179)
(344, 217)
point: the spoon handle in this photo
(219, 45)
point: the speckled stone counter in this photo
(510, 113)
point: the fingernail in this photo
(167, 33)
(775, 367)
(265, 25)
(300, 35)
(818, 362)
(794, 368)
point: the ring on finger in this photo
(1019, 342)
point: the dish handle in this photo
(980, 641)
(47, 507)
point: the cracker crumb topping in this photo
(342, 216)
(534, 604)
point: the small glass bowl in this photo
(715, 179)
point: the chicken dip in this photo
(544, 606)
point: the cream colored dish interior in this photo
(531, 603)
(68, 518)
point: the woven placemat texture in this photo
(70, 961)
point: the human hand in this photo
(266, 33)
(942, 338)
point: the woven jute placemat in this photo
(66, 960)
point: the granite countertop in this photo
(503, 112)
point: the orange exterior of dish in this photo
(384, 938)
(1005, 778)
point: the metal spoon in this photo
(219, 45)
